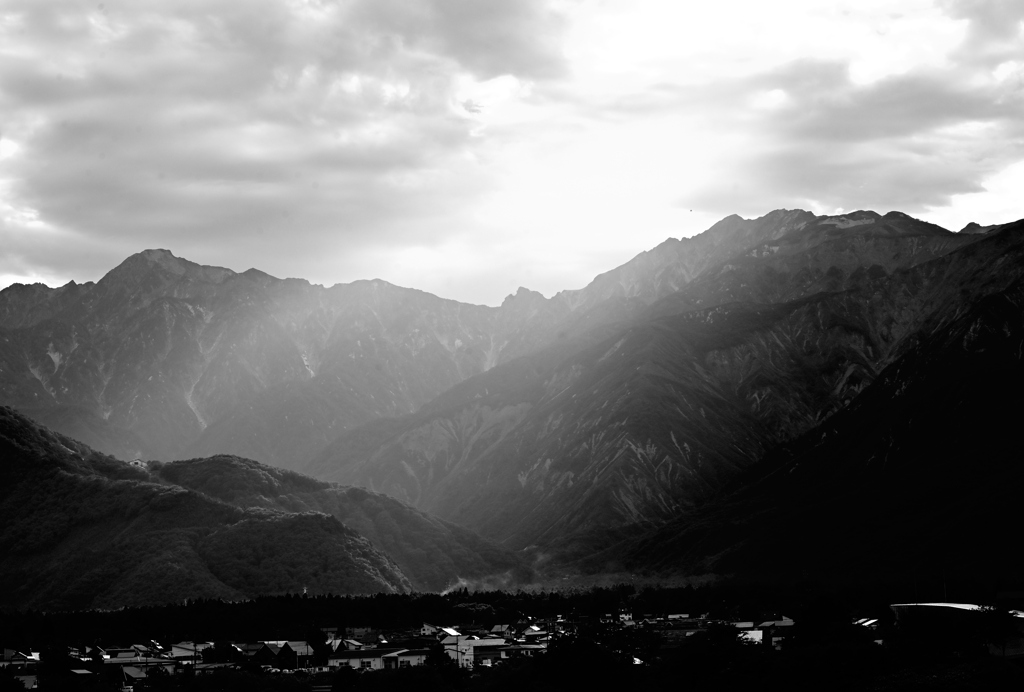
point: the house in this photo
(774, 632)
(429, 630)
(961, 621)
(486, 651)
(512, 651)
(472, 651)
(146, 649)
(450, 638)
(533, 636)
(405, 658)
(778, 622)
(19, 658)
(249, 650)
(122, 654)
(266, 654)
(303, 652)
(506, 631)
(188, 651)
(286, 657)
(365, 659)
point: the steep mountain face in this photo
(667, 268)
(638, 425)
(821, 254)
(163, 358)
(84, 530)
(434, 554)
(919, 478)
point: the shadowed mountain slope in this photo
(622, 428)
(919, 477)
(823, 254)
(434, 554)
(84, 530)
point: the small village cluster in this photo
(474, 645)
(369, 648)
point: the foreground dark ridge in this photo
(82, 529)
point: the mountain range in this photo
(626, 426)
(619, 426)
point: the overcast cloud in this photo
(467, 147)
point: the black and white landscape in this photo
(660, 340)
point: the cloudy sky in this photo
(467, 147)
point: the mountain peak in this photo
(850, 219)
(144, 262)
(522, 295)
(974, 228)
(166, 260)
(259, 276)
(729, 223)
(141, 264)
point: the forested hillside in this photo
(433, 553)
(84, 530)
